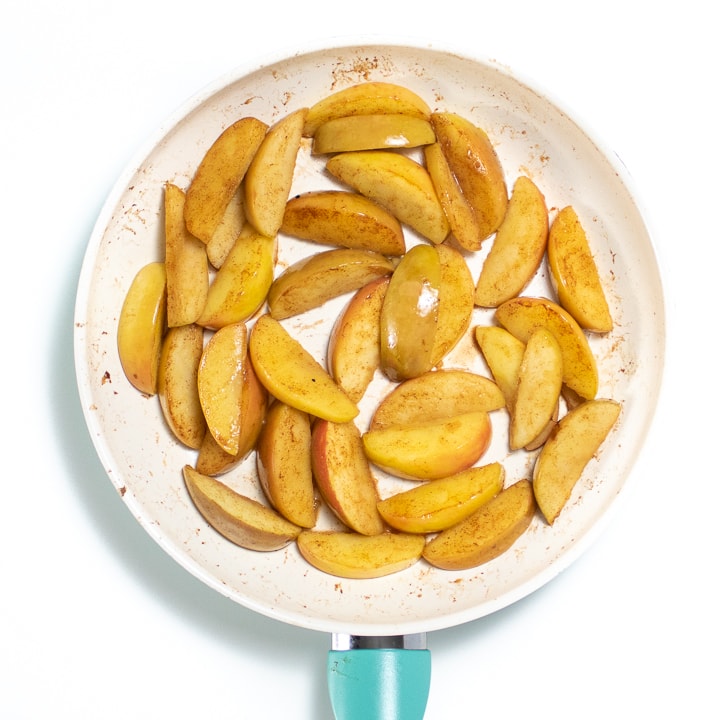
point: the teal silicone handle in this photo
(379, 684)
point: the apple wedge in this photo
(291, 374)
(344, 219)
(220, 384)
(223, 239)
(284, 464)
(178, 384)
(361, 557)
(213, 459)
(538, 388)
(369, 98)
(269, 178)
(464, 225)
(440, 504)
(186, 263)
(398, 183)
(487, 533)
(574, 273)
(523, 315)
(455, 303)
(518, 247)
(343, 476)
(219, 175)
(240, 519)
(372, 132)
(437, 394)
(503, 353)
(354, 343)
(430, 449)
(565, 455)
(476, 166)
(141, 327)
(409, 314)
(240, 286)
(312, 281)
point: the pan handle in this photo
(379, 678)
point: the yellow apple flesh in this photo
(398, 183)
(361, 557)
(430, 449)
(344, 219)
(220, 384)
(312, 281)
(240, 519)
(141, 327)
(487, 533)
(291, 374)
(178, 384)
(567, 452)
(219, 175)
(575, 274)
(368, 98)
(343, 476)
(518, 247)
(269, 177)
(440, 504)
(523, 315)
(354, 342)
(437, 394)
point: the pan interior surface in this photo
(532, 136)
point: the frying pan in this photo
(378, 664)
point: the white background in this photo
(97, 622)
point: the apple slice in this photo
(487, 533)
(503, 353)
(476, 166)
(398, 183)
(269, 178)
(284, 466)
(178, 384)
(223, 239)
(355, 556)
(219, 175)
(312, 281)
(518, 246)
(354, 342)
(409, 315)
(240, 519)
(430, 449)
(372, 132)
(464, 225)
(343, 476)
(220, 384)
(440, 504)
(241, 285)
(523, 315)
(141, 327)
(437, 394)
(574, 273)
(538, 388)
(345, 219)
(561, 462)
(213, 459)
(369, 98)
(455, 304)
(186, 263)
(291, 374)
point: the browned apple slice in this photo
(343, 475)
(351, 555)
(485, 534)
(240, 519)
